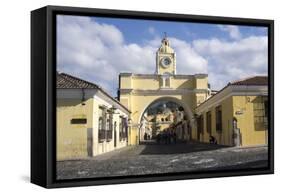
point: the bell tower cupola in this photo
(165, 58)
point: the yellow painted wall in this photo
(72, 138)
(201, 83)
(245, 121)
(150, 84)
(225, 136)
(137, 103)
(126, 82)
(143, 83)
(250, 135)
(182, 83)
(81, 140)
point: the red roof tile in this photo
(68, 81)
(253, 81)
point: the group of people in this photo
(146, 136)
(166, 137)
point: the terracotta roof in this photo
(250, 81)
(68, 81)
(253, 81)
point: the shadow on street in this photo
(152, 148)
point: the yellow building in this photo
(137, 92)
(236, 115)
(154, 124)
(89, 121)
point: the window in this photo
(209, 122)
(122, 128)
(266, 114)
(100, 123)
(107, 124)
(78, 121)
(101, 132)
(200, 124)
(108, 129)
(218, 119)
(260, 107)
(167, 82)
(265, 108)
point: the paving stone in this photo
(153, 158)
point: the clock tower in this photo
(165, 58)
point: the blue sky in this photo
(138, 31)
(98, 49)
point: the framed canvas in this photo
(126, 96)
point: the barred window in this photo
(219, 118)
(100, 123)
(107, 124)
(209, 122)
(122, 128)
(200, 124)
(260, 108)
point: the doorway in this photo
(115, 138)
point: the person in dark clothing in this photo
(165, 137)
(169, 136)
(145, 136)
(213, 140)
(158, 138)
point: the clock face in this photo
(166, 61)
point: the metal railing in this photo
(105, 135)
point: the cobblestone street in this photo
(153, 158)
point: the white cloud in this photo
(97, 52)
(233, 31)
(151, 30)
(228, 61)
(188, 59)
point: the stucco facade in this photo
(243, 116)
(89, 123)
(138, 91)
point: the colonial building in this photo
(237, 114)
(138, 92)
(89, 121)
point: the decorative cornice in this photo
(125, 74)
(162, 91)
(232, 90)
(64, 94)
(155, 76)
(201, 75)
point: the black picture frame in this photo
(43, 95)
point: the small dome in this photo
(165, 41)
(165, 46)
(167, 111)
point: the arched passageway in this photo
(166, 120)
